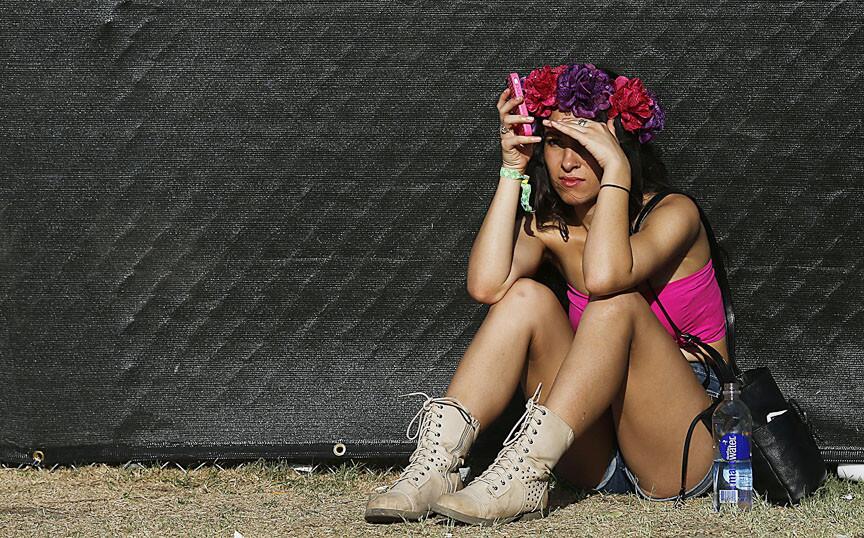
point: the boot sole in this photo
(389, 515)
(465, 518)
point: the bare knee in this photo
(530, 294)
(538, 308)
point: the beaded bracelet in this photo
(525, 198)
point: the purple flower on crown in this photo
(583, 90)
(656, 122)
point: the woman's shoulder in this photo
(550, 233)
(556, 247)
(545, 231)
(669, 197)
(671, 204)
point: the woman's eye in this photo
(551, 141)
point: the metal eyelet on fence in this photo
(339, 449)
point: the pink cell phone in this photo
(522, 129)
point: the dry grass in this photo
(272, 499)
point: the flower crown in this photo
(585, 90)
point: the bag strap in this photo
(679, 500)
(726, 372)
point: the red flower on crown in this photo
(631, 101)
(540, 87)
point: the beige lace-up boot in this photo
(444, 436)
(516, 485)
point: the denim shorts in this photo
(619, 479)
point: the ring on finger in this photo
(503, 129)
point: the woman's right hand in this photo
(516, 150)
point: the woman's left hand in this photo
(598, 138)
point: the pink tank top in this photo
(694, 303)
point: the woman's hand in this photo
(515, 150)
(598, 138)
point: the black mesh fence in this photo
(238, 229)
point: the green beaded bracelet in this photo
(525, 198)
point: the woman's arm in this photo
(614, 261)
(496, 262)
(608, 255)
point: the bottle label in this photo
(734, 447)
(739, 475)
(728, 496)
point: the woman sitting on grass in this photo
(620, 392)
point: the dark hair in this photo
(649, 174)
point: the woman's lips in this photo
(571, 182)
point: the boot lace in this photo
(426, 435)
(512, 454)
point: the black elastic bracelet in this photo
(618, 186)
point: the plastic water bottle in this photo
(733, 470)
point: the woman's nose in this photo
(571, 158)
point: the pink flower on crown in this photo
(631, 101)
(540, 90)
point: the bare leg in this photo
(525, 338)
(527, 324)
(625, 359)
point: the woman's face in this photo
(573, 171)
